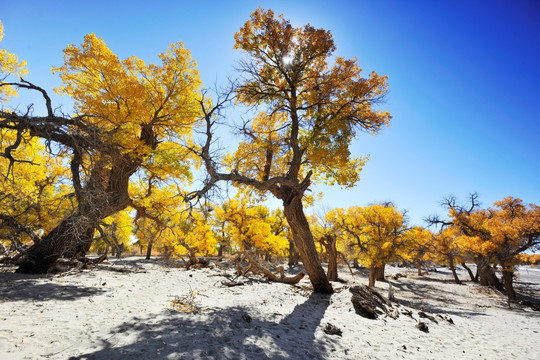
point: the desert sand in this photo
(128, 309)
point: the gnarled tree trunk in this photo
(474, 278)
(453, 269)
(303, 240)
(65, 238)
(105, 194)
(379, 272)
(486, 274)
(293, 254)
(329, 243)
(508, 278)
(372, 277)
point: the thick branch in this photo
(11, 222)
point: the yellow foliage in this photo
(375, 234)
(447, 244)
(252, 227)
(28, 194)
(134, 103)
(118, 226)
(201, 235)
(533, 259)
(419, 244)
(312, 108)
(10, 66)
(499, 233)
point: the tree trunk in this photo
(220, 251)
(453, 269)
(64, 239)
(303, 240)
(80, 248)
(487, 275)
(419, 267)
(372, 277)
(379, 272)
(508, 278)
(149, 250)
(105, 194)
(293, 254)
(329, 243)
(471, 275)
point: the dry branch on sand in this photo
(370, 304)
(255, 267)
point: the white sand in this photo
(105, 314)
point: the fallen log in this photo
(279, 276)
(369, 303)
(255, 267)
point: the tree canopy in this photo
(130, 118)
(310, 105)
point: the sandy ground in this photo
(123, 310)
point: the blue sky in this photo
(463, 80)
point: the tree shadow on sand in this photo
(17, 288)
(230, 333)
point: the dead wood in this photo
(255, 267)
(369, 303)
(231, 283)
(398, 275)
(422, 326)
(195, 262)
(446, 318)
(407, 312)
(346, 262)
(427, 316)
(331, 329)
(279, 276)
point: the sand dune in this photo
(124, 310)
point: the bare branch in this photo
(11, 222)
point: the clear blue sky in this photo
(464, 79)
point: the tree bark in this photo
(61, 240)
(379, 272)
(453, 269)
(329, 243)
(372, 277)
(487, 275)
(368, 303)
(471, 275)
(419, 267)
(149, 250)
(508, 278)
(293, 254)
(105, 194)
(303, 240)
